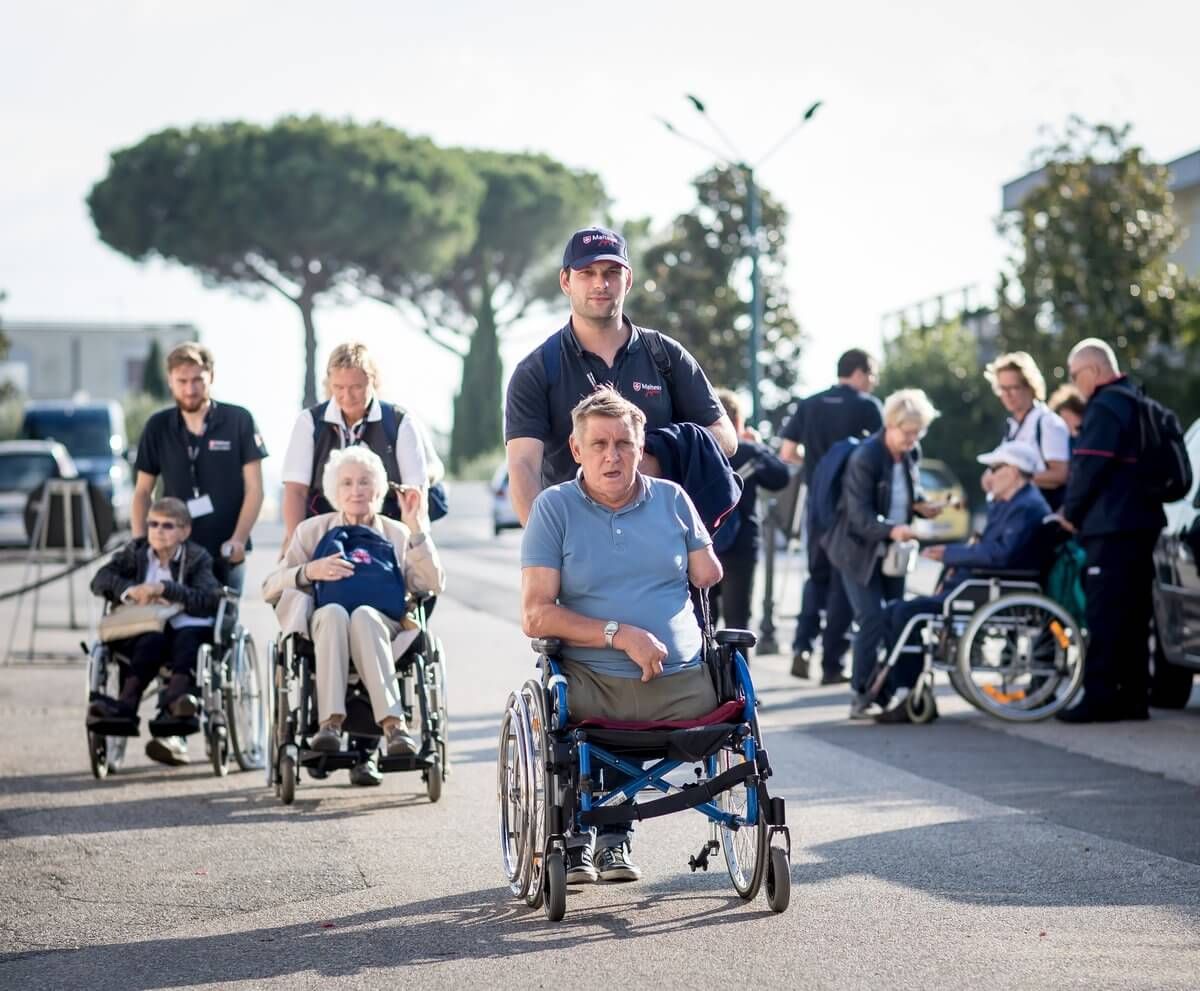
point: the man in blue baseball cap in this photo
(598, 345)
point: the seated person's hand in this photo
(649, 466)
(902, 531)
(145, 593)
(328, 569)
(749, 433)
(935, 553)
(643, 648)
(413, 513)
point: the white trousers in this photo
(367, 637)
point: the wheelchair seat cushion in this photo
(727, 712)
(688, 745)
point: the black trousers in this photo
(730, 598)
(1118, 581)
(173, 649)
(823, 591)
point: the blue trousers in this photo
(869, 602)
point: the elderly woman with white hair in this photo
(881, 491)
(354, 482)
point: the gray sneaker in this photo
(613, 864)
(580, 869)
(328, 740)
(862, 707)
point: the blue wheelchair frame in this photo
(654, 776)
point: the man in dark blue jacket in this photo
(1118, 523)
(1010, 540)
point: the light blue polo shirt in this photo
(630, 565)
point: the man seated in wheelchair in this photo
(343, 581)
(606, 560)
(1013, 539)
(163, 566)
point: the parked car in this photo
(504, 517)
(954, 523)
(1177, 594)
(94, 433)
(25, 465)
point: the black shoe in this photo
(106, 708)
(170, 750)
(580, 869)
(366, 774)
(896, 713)
(834, 678)
(184, 707)
(1090, 713)
(800, 664)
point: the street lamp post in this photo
(753, 222)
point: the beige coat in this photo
(292, 596)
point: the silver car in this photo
(504, 517)
(24, 465)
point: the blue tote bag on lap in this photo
(377, 580)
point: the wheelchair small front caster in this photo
(556, 886)
(700, 861)
(779, 880)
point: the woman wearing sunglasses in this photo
(163, 566)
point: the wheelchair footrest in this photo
(408, 762)
(689, 798)
(113, 726)
(167, 725)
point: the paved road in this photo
(957, 855)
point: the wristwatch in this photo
(610, 631)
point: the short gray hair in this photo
(356, 455)
(606, 401)
(909, 406)
(1097, 351)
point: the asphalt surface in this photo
(962, 854)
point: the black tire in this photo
(98, 755)
(1170, 684)
(779, 880)
(920, 705)
(433, 779)
(287, 779)
(218, 750)
(555, 883)
(244, 704)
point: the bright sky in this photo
(929, 106)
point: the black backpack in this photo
(1163, 457)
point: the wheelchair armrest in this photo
(550, 646)
(1016, 574)
(735, 638)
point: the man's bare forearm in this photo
(524, 485)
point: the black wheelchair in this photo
(549, 783)
(294, 718)
(232, 710)
(1007, 647)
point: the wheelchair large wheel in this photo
(244, 708)
(515, 791)
(532, 695)
(1021, 658)
(745, 847)
(436, 673)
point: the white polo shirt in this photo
(1052, 440)
(410, 449)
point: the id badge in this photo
(200, 506)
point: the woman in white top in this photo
(1016, 379)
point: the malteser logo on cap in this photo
(594, 244)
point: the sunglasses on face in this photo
(160, 525)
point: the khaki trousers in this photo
(685, 695)
(367, 637)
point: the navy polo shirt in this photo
(230, 441)
(534, 408)
(821, 420)
(629, 565)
